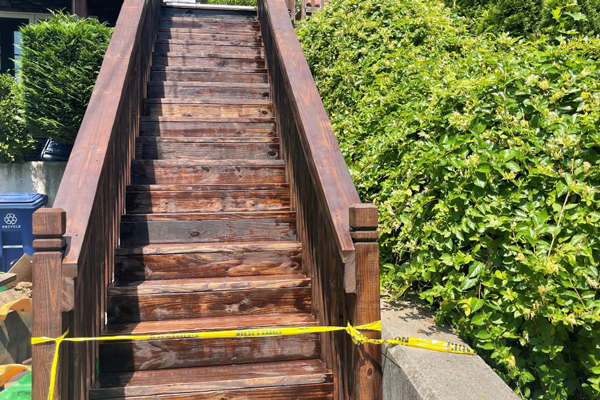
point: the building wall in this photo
(34, 6)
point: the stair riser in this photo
(190, 92)
(207, 129)
(199, 37)
(182, 76)
(150, 174)
(206, 265)
(202, 13)
(208, 304)
(203, 62)
(206, 151)
(182, 353)
(308, 387)
(199, 49)
(185, 202)
(207, 111)
(201, 25)
(210, 231)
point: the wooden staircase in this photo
(205, 191)
(208, 241)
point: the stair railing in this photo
(75, 241)
(338, 233)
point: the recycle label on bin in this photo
(11, 221)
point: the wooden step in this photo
(184, 202)
(207, 111)
(297, 380)
(234, 15)
(211, 25)
(181, 298)
(209, 62)
(209, 90)
(202, 37)
(210, 187)
(152, 148)
(202, 50)
(209, 41)
(207, 260)
(144, 229)
(194, 127)
(207, 172)
(214, 76)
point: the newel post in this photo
(49, 226)
(364, 282)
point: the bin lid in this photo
(22, 200)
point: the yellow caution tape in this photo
(354, 332)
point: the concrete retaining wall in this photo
(416, 374)
(36, 176)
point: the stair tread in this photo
(182, 68)
(205, 379)
(209, 187)
(208, 216)
(228, 322)
(207, 100)
(195, 163)
(196, 285)
(186, 248)
(170, 118)
(234, 140)
(210, 84)
(207, 42)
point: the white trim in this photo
(31, 17)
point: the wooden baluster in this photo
(49, 226)
(364, 281)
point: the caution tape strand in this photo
(354, 332)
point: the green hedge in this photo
(483, 155)
(522, 17)
(61, 58)
(15, 143)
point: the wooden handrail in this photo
(70, 286)
(338, 233)
(326, 162)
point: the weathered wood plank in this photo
(207, 261)
(161, 171)
(202, 36)
(200, 187)
(207, 111)
(229, 380)
(193, 127)
(185, 353)
(146, 202)
(209, 62)
(228, 322)
(208, 304)
(223, 90)
(208, 231)
(194, 49)
(207, 25)
(202, 13)
(211, 149)
(181, 75)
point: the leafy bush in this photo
(522, 17)
(61, 58)
(483, 155)
(14, 141)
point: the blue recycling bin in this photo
(16, 236)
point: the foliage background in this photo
(61, 58)
(14, 141)
(482, 152)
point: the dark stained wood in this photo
(184, 353)
(49, 244)
(247, 64)
(228, 322)
(206, 201)
(174, 75)
(208, 111)
(200, 50)
(195, 187)
(231, 381)
(202, 36)
(207, 148)
(194, 127)
(49, 224)
(163, 171)
(210, 26)
(207, 230)
(208, 304)
(224, 90)
(203, 13)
